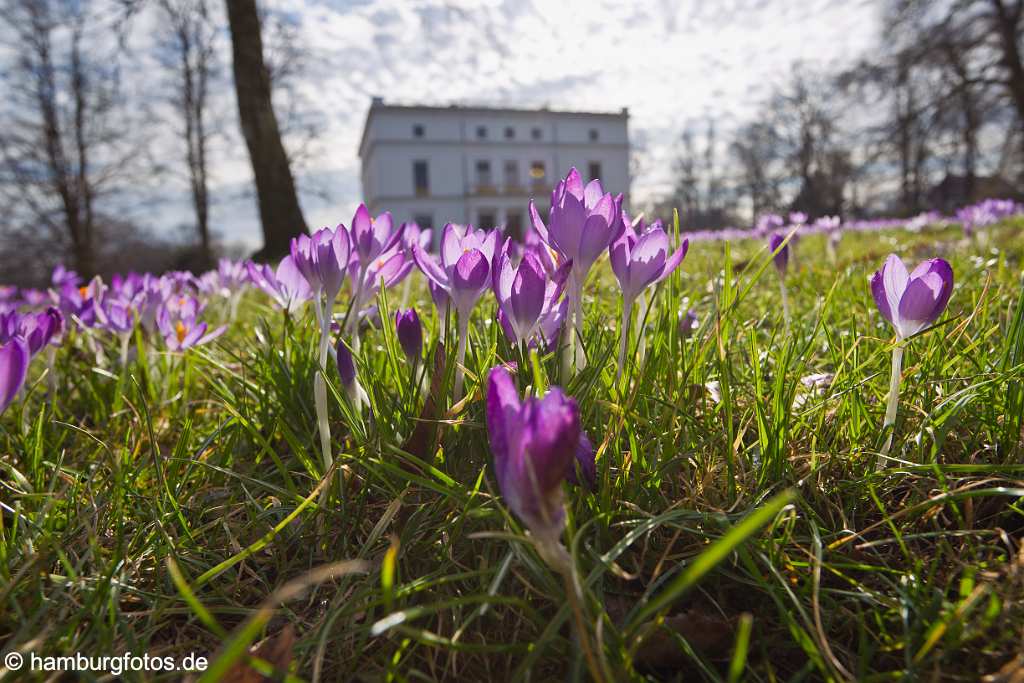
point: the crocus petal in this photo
(595, 238)
(894, 282)
(538, 224)
(881, 300)
(471, 271)
(502, 419)
(574, 184)
(451, 247)
(647, 260)
(674, 260)
(554, 436)
(923, 301)
(592, 193)
(566, 227)
(429, 267)
(14, 358)
(527, 297)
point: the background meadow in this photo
(744, 525)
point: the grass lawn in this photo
(746, 530)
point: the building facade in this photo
(435, 165)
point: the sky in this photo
(673, 63)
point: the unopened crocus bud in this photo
(349, 379)
(781, 255)
(583, 469)
(410, 333)
(534, 442)
(346, 366)
(687, 323)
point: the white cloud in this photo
(669, 61)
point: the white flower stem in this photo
(405, 291)
(460, 356)
(627, 307)
(894, 397)
(642, 313)
(785, 302)
(353, 314)
(320, 385)
(579, 358)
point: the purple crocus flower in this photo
(14, 358)
(527, 297)
(582, 223)
(323, 259)
(534, 443)
(286, 286)
(640, 261)
(35, 329)
(463, 274)
(465, 268)
(179, 324)
(781, 256)
(372, 237)
(410, 334)
(42, 328)
(912, 301)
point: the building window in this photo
(481, 132)
(593, 135)
(514, 224)
(536, 133)
(537, 171)
(424, 220)
(418, 130)
(511, 174)
(594, 170)
(486, 218)
(420, 178)
(483, 174)
(510, 133)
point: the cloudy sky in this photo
(672, 62)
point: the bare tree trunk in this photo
(280, 213)
(1007, 22)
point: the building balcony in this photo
(509, 189)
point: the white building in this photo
(435, 165)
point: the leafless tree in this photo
(189, 51)
(61, 150)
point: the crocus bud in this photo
(781, 256)
(14, 357)
(534, 443)
(583, 468)
(410, 333)
(912, 301)
(346, 367)
(687, 323)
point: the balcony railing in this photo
(538, 187)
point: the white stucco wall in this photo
(451, 146)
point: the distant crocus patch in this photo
(912, 301)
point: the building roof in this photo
(377, 104)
